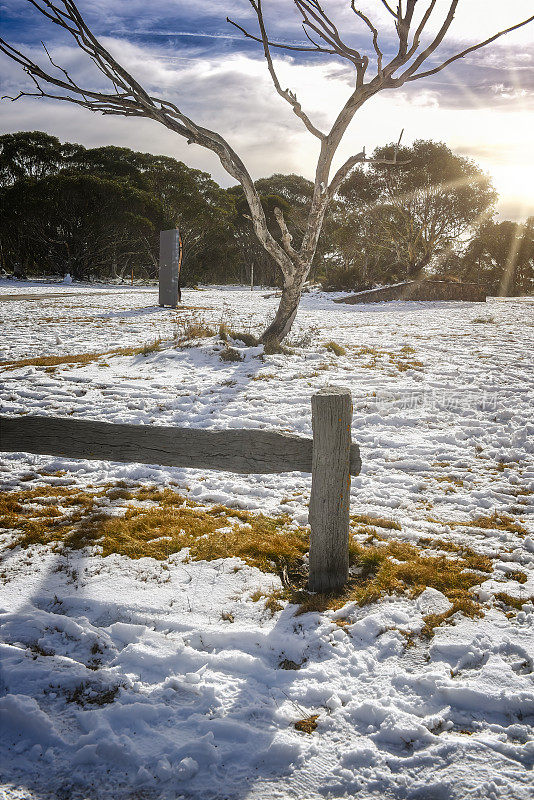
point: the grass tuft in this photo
(307, 725)
(226, 333)
(275, 348)
(335, 348)
(190, 329)
(230, 354)
(380, 522)
(513, 602)
(499, 522)
(154, 347)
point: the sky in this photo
(185, 50)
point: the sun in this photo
(514, 183)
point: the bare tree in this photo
(128, 98)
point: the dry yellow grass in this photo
(513, 602)
(307, 725)
(500, 522)
(226, 333)
(497, 521)
(77, 518)
(403, 360)
(157, 522)
(335, 348)
(398, 568)
(82, 358)
(380, 522)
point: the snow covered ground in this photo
(187, 697)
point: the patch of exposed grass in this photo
(226, 333)
(287, 663)
(83, 358)
(272, 599)
(470, 557)
(78, 518)
(402, 360)
(511, 602)
(380, 522)
(46, 514)
(449, 479)
(51, 361)
(484, 320)
(307, 725)
(230, 354)
(157, 522)
(153, 347)
(500, 522)
(497, 521)
(188, 330)
(399, 568)
(335, 348)
(372, 352)
(89, 694)
(517, 575)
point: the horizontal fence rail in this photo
(243, 451)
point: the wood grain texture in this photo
(241, 451)
(330, 493)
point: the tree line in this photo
(96, 214)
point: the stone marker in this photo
(170, 261)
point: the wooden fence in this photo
(329, 456)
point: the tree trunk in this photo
(287, 311)
(417, 268)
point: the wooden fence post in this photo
(330, 492)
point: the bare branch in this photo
(315, 18)
(469, 50)
(361, 158)
(287, 239)
(393, 14)
(422, 26)
(397, 146)
(290, 97)
(364, 18)
(344, 170)
(433, 45)
(280, 45)
(316, 21)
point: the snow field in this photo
(123, 679)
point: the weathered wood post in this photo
(330, 491)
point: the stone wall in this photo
(420, 290)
